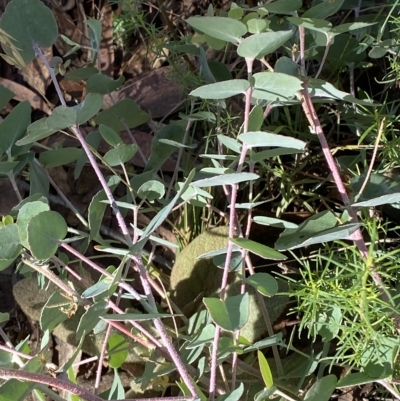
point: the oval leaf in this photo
(221, 28)
(28, 22)
(230, 315)
(45, 230)
(222, 90)
(260, 139)
(275, 86)
(258, 46)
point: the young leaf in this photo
(258, 46)
(29, 22)
(232, 314)
(120, 155)
(110, 136)
(45, 230)
(117, 348)
(221, 28)
(222, 90)
(265, 370)
(26, 212)
(152, 190)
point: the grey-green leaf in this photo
(59, 157)
(14, 126)
(120, 155)
(221, 28)
(62, 117)
(324, 9)
(225, 179)
(232, 314)
(258, 46)
(103, 84)
(90, 106)
(260, 139)
(222, 90)
(261, 250)
(275, 86)
(29, 22)
(126, 110)
(10, 245)
(45, 230)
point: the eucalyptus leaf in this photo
(91, 317)
(258, 46)
(110, 136)
(322, 389)
(161, 152)
(232, 314)
(261, 139)
(10, 245)
(322, 227)
(221, 90)
(25, 214)
(14, 126)
(5, 96)
(225, 179)
(152, 190)
(62, 117)
(261, 250)
(125, 110)
(81, 73)
(226, 29)
(36, 131)
(120, 154)
(275, 86)
(29, 22)
(90, 106)
(59, 157)
(324, 9)
(45, 230)
(103, 84)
